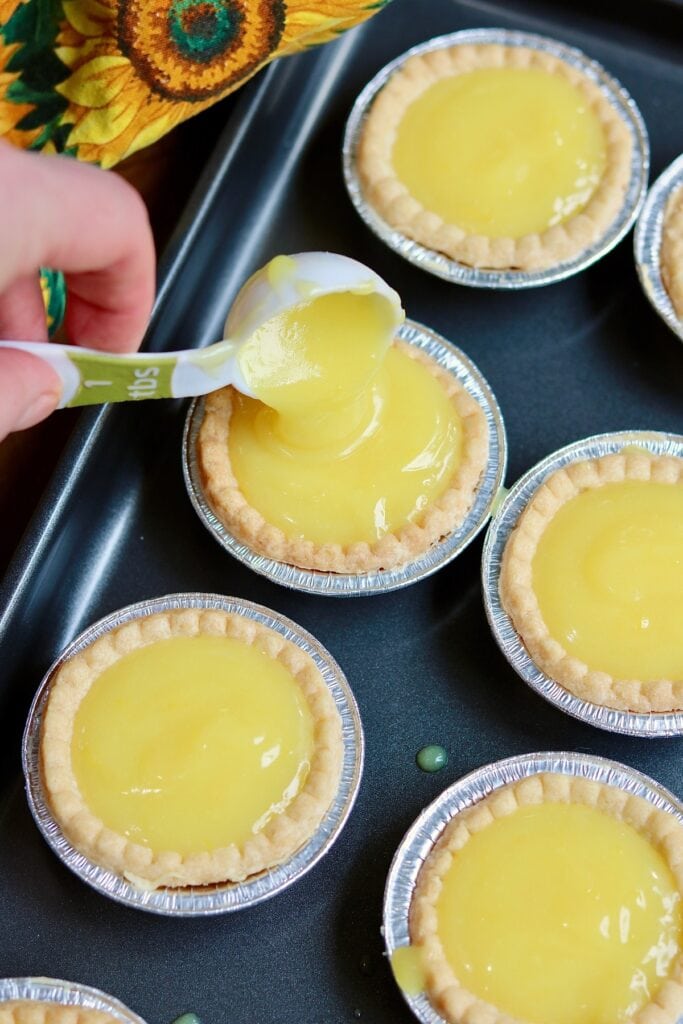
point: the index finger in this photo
(91, 225)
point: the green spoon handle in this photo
(91, 377)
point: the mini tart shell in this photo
(520, 603)
(445, 991)
(29, 1011)
(671, 251)
(395, 203)
(152, 869)
(394, 549)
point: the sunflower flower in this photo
(138, 68)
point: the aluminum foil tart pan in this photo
(215, 899)
(629, 722)
(65, 993)
(647, 243)
(451, 270)
(422, 835)
(381, 582)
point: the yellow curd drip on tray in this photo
(355, 439)
(608, 577)
(501, 152)
(560, 914)
(192, 743)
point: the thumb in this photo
(29, 390)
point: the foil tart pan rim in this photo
(653, 725)
(325, 584)
(426, 829)
(65, 993)
(647, 243)
(452, 270)
(222, 898)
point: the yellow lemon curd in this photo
(560, 914)
(501, 152)
(350, 438)
(407, 964)
(608, 576)
(192, 743)
(319, 354)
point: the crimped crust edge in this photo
(280, 838)
(248, 525)
(452, 999)
(394, 202)
(520, 603)
(41, 1011)
(671, 250)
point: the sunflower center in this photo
(201, 29)
(192, 50)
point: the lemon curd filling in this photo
(560, 914)
(608, 577)
(501, 152)
(350, 438)
(355, 474)
(319, 354)
(192, 743)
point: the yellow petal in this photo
(309, 23)
(328, 8)
(7, 9)
(311, 18)
(96, 83)
(68, 54)
(76, 55)
(89, 17)
(149, 134)
(105, 125)
(11, 114)
(305, 38)
(6, 54)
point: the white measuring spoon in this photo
(91, 377)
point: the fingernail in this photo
(37, 410)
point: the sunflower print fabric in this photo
(100, 79)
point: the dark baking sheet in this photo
(577, 358)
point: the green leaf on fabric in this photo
(45, 112)
(35, 23)
(58, 134)
(53, 287)
(22, 91)
(41, 70)
(34, 27)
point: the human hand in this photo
(91, 225)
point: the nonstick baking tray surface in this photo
(577, 358)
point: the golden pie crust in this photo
(148, 868)
(399, 208)
(445, 991)
(29, 1011)
(671, 250)
(248, 525)
(519, 600)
